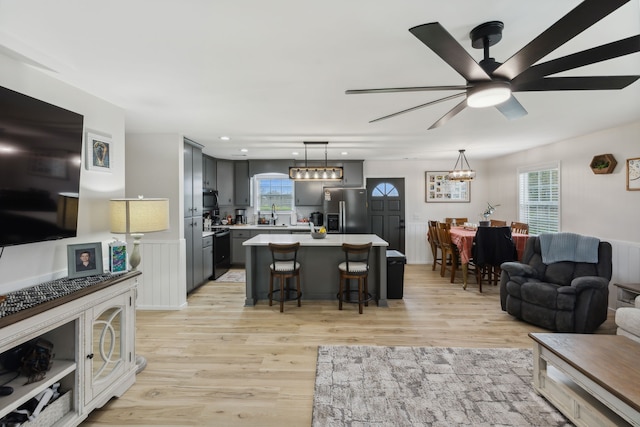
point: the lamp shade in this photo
(138, 215)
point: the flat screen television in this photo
(40, 160)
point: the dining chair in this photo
(519, 227)
(491, 247)
(284, 266)
(456, 221)
(434, 242)
(449, 250)
(498, 223)
(355, 266)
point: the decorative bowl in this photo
(224, 222)
(318, 235)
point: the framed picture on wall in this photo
(633, 174)
(99, 151)
(84, 259)
(439, 189)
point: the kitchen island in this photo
(319, 259)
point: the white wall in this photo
(155, 168)
(26, 265)
(597, 205)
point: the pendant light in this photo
(460, 173)
(316, 173)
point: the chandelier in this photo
(315, 173)
(459, 172)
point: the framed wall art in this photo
(84, 259)
(633, 174)
(99, 151)
(440, 190)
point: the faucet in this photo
(273, 214)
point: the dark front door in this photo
(385, 198)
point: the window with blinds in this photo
(539, 199)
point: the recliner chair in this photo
(563, 296)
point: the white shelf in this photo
(23, 393)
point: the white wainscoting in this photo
(626, 265)
(417, 249)
(162, 285)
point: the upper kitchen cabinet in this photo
(309, 193)
(353, 173)
(192, 179)
(209, 178)
(225, 176)
(242, 184)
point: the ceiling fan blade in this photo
(576, 83)
(455, 110)
(446, 47)
(405, 89)
(457, 95)
(573, 23)
(512, 109)
(579, 59)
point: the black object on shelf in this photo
(395, 274)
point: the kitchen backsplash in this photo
(252, 218)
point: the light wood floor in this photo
(217, 363)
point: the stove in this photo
(219, 229)
(221, 250)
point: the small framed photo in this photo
(99, 151)
(440, 190)
(633, 174)
(84, 259)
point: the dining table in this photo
(463, 239)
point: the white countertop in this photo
(307, 240)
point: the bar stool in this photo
(284, 266)
(355, 266)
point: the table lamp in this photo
(136, 217)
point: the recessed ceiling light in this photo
(225, 138)
(295, 153)
(344, 153)
(244, 150)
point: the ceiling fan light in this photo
(488, 94)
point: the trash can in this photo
(395, 274)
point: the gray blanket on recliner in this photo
(556, 247)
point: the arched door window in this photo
(385, 189)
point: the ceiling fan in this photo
(491, 83)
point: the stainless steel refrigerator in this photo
(345, 210)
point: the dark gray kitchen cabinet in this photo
(225, 177)
(207, 258)
(309, 193)
(192, 179)
(238, 255)
(242, 183)
(193, 242)
(209, 178)
(193, 213)
(353, 173)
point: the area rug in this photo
(233, 275)
(361, 386)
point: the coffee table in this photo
(594, 380)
